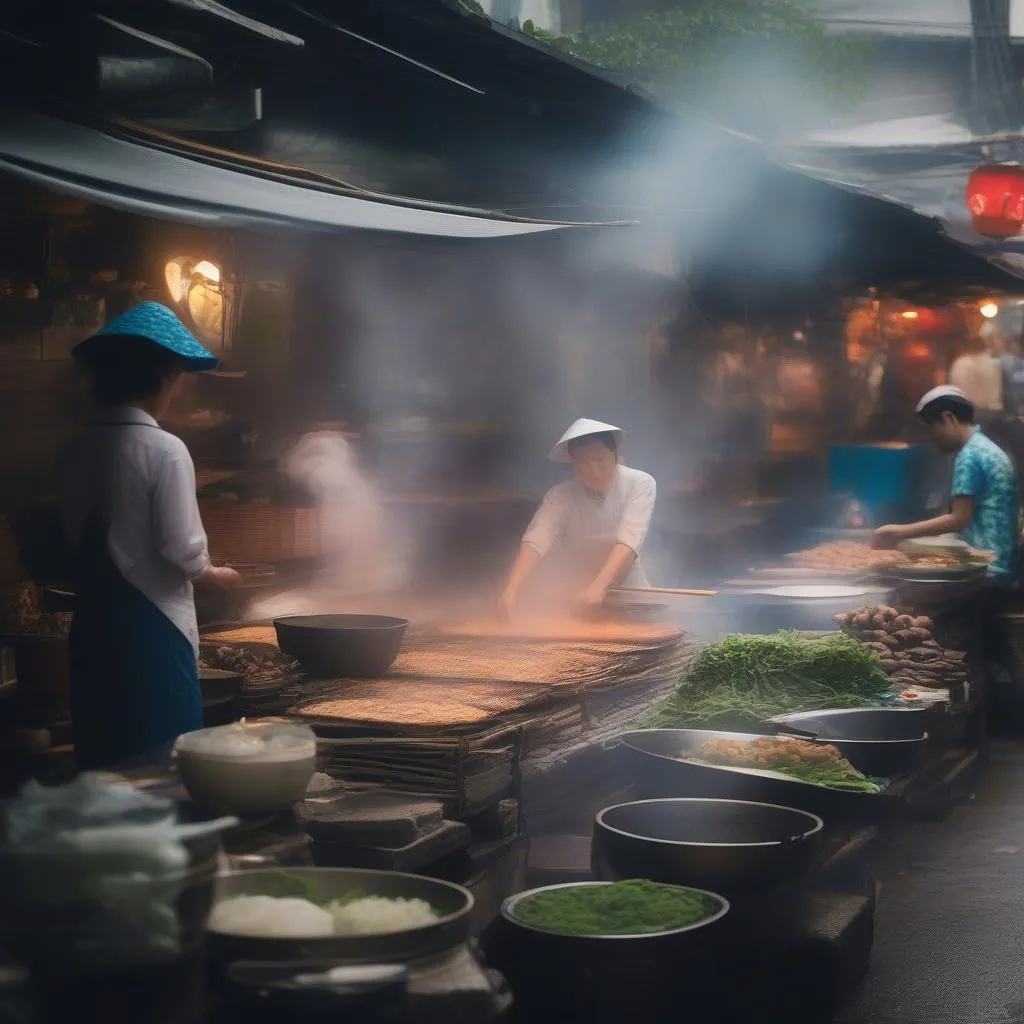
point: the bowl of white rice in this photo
(340, 915)
(247, 768)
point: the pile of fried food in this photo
(25, 615)
(845, 556)
(906, 647)
(817, 763)
(850, 556)
(255, 665)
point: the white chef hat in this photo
(943, 391)
(583, 428)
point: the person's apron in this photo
(134, 677)
(571, 567)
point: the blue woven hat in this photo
(158, 324)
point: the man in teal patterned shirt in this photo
(985, 498)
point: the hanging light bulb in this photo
(209, 270)
(989, 310)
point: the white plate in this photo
(812, 593)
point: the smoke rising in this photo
(469, 362)
(362, 553)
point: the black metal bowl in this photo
(876, 741)
(219, 684)
(349, 646)
(727, 846)
(600, 978)
(652, 759)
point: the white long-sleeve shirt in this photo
(156, 537)
(571, 515)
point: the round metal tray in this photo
(936, 574)
(451, 929)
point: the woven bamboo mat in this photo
(457, 683)
(576, 631)
(414, 703)
(469, 771)
(263, 635)
(592, 662)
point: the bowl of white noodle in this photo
(340, 915)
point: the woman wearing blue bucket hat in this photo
(128, 497)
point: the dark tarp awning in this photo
(127, 175)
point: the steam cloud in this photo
(362, 554)
(530, 335)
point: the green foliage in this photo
(473, 8)
(676, 53)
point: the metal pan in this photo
(451, 929)
(219, 684)
(876, 741)
(728, 846)
(911, 573)
(652, 759)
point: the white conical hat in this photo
(582, 428)
(942, 391)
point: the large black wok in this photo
(337, 646)
(728, 846)
(876, 741)
(651, 757)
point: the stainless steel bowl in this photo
(451, 929)
(729, 846)
(654, 761)
(508, 912)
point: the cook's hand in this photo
(226, 578)
(591, 597)
(887, 536)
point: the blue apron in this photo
(134, 678)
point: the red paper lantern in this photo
(995, 198)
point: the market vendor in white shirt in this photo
(128, 497)
(598, 519)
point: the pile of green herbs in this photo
(632, 907)
(746, 679)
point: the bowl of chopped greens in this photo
(633, 909)
(603, 951)
(728, 846)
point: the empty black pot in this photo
(341, 646)
(727, 846)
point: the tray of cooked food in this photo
(776, 769)
(913, 561)
(844, 556)
(937, 568)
